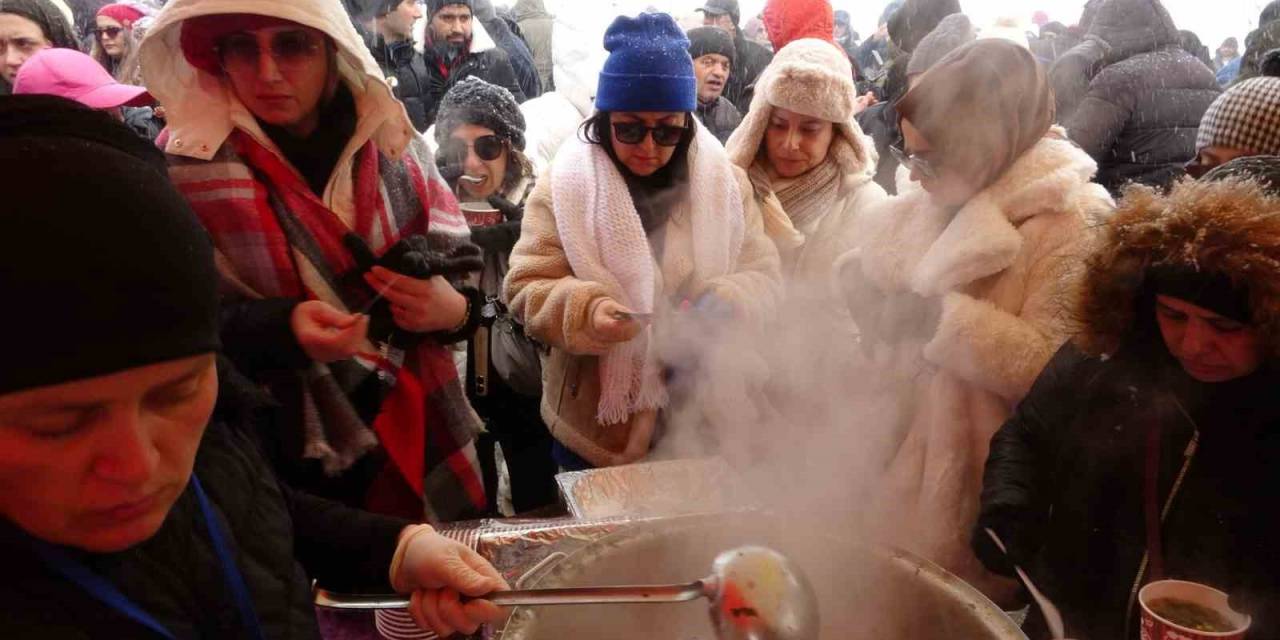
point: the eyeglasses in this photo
(109, 32)
(487, 148)
(635, 132)
(912, 161)
(240, 51)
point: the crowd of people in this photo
(333, 273)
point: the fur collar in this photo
(911, 243)
(1229, 227)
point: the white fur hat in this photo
(810, 77)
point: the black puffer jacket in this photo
(880, 121)
(406, 70)
(1070, 464)
(511, 43)
(1257, 44)
(1141, 113)
(720, 118)
(490, 64)
(282, 540)
(748, 63)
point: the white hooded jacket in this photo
(201, 108)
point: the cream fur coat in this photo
(1003, 267)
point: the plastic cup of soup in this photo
(480, 214)
(1178, 610)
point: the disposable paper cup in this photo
(480, 214)
(1156, 628)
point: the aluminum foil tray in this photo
(667, 488)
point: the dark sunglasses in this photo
(110, 32)
(635, 132)
(487, 148)
(288, 48)
(912, 161)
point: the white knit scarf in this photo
(606, 243)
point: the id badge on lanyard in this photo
(103, 591)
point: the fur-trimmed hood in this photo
(1231, 227)
(203, 110)
(814, 78)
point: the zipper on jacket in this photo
(1188, 455)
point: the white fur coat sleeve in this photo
(1003, 351)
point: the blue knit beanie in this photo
(649, 68)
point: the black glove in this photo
(864, 301)
(908, 315)
(411, 257)
(509, 209)
(1017, 530)
(414, 257)
(497, 239)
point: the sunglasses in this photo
(487, 148)
(635, 132)
(912, 161)
(288, 48)
(109, 32)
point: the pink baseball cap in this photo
(70, 74)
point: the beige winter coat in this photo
(556, 308)
(1003, 266)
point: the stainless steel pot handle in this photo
(640, 594)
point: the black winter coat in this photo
(720, 118)
(1069, 467)
(880, 121)
(749, 61)
(406, 70)
(492, 66)
(1140, 116)
(518, 54)
(282, 540)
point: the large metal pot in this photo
(863, 592)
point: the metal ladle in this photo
(755, 593)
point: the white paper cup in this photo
(1153, 627)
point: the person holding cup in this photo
(640, 217)
(481, 133)
(1149, 447)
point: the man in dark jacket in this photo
(536, 28)
(132, 505)
(1139, 117)
(1150, 448)
(751, 58)
(403, 64)
(514, 45)
(457, 48)
(713, 54)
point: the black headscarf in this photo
(102, 279)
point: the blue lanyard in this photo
(105, 592)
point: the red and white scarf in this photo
(245, 193)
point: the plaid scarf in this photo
(275, 238)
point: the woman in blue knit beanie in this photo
(640, 219)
